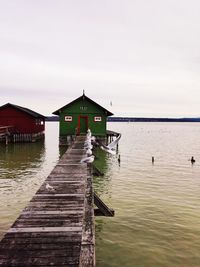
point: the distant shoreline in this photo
(135, 119)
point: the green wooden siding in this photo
(78, 110)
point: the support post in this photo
(103, 209)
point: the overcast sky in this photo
(141, 55)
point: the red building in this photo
(23, 120)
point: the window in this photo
(68, 118)
(97, 119)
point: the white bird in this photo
(88, 145)
(88, 141)
(105, 148)
(115, 142)
(88, 159)
(89, 152)
(110, 148)
(49, 187)
(93, 139)
(89, 134)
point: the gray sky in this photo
(143, 55)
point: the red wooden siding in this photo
(23, 122)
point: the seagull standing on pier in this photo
(88, 159)
(89, 152)
(88, 144)
(49, 187)
(89, 134)
(88, 147)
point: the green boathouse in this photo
(79, 115)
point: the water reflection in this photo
(103, 187)
(18, 159)
(103, 162)
(23, 168)
(20, 176)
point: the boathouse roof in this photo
(83, 97)
(23, 109)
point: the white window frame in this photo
(68, 118)
(97, 118)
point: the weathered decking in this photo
(57, 226)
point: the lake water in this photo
(157, 206)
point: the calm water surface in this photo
(157, 207)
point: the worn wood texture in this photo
(57, 226)
(87, 256)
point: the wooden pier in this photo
(57, 226)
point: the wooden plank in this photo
(58, 195)
(26, 258)
(60, 181)
(57, 241)
(42, 237)
(47, 224)
(57, 217)
(44, 229)
(54, 212)
(71, 248)
(45, 235)
(58, 178)
(43, 206)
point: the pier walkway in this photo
(57, 226)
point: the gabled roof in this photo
(83, 97)
(25, 110)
